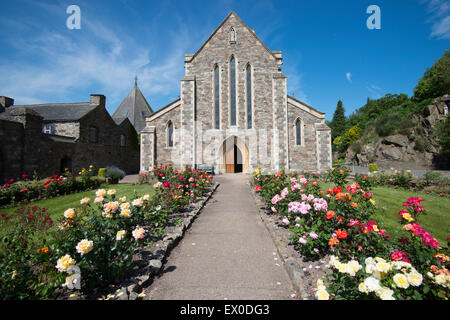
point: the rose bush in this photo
(98, 237)
(339, 221)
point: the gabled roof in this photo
(307, 108)
(55, 111)
(134, 107)
(223, 22)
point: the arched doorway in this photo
(234, 155)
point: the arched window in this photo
(123, 140)
(216, 98)
(249, 96)
(232, 91)
(298, 132)
(170, 134)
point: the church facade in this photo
(234, 112)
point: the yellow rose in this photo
(322, 294)
(372, 202)
(415, 279)
(125, 213)
(120, 234)
(101, 193)
(342, 267)
(353, 267)
(363, 288)
(84, 246)
(111, 192)
(69, 213)
(123, 199)
(85, 200)
(64, 262)
(383, 267)
(401, 281)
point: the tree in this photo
(436, 80)
(339, 122)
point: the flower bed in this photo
(339, 222)
(93, 244)
(14, 192)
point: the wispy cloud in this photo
(440, 18)
(348, 75)
(99, 58)
(374, 90)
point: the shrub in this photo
(373, 167)
(114, 173)
(102, 172)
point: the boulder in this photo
(391, 153)
(396, 140)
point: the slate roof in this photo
(55, 111)
(134, 107)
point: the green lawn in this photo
(56, 206)
(389, 203)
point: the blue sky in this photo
(328, 52)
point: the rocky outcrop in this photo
(419, 146)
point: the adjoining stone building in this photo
(51, 137)
(234, 112)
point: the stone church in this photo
(234, 112)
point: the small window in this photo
(232, 35)
(143, 114)
(298, 132)
(48, 129)
(123, 140)
(93, 134)
(170, 134)
(125, 113)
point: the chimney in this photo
(98, 99)
(5, 102)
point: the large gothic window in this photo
(249, 96)
(170, 134)
(232, 91)
(216, 98)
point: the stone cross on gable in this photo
(135, 79)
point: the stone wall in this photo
(66, 129)
(11, 150)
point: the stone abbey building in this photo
(51, 137)
(234, 112)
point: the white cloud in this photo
(348, 75)
(374, 90)
(99, 60)
(440, 18)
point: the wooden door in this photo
(229, 158)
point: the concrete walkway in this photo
(226, 254)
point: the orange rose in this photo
(340, 196)
(330, 214)
(354, 205)
(340, 219)
(341, 171)
(315, 183)
(333, 242)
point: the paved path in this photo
(226, 254)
